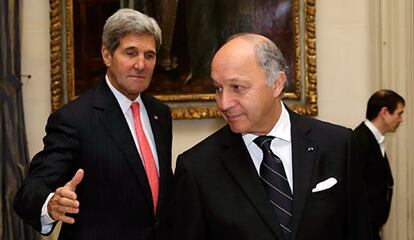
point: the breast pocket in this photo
(325, 194)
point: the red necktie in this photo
(146, 154)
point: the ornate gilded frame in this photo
(190, 106)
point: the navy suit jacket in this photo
(115, 198)
(219, 194)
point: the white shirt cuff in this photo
(45, 219)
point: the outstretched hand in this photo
(65, 200)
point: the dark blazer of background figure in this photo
(384, 114)
(90, 165)
(219, 194)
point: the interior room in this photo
(347, 51)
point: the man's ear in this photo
(106, 56)
(279, 84)
(384, 111)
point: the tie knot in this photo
(263, 142)
(135, 107)
(135, 104)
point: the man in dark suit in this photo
(295, 184)
(384, 114)
(105, 169)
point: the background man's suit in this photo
(219, 194)
(115, 198)
(376, 173)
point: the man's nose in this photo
(140, 63)
(225, 100)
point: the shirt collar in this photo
(377, 134)
(123, 101)
(281, 130)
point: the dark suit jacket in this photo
(219, 194)
(376, 174)
(115, 198)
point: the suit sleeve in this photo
(50, 168)
(359, 221)
(187, 214)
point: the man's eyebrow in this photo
(131, 47)
(236, 80)
(151, 51)
(214, 82)
(136, 48)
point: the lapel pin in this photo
(310, 149)
(155, 117)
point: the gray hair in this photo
(271, 59)
(126, 21)
(268, 56)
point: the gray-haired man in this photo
(105, 170)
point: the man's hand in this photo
(65, 200)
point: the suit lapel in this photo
(372, 140)
(383, 163)
(303, 157)
(114, 121)
(236, 159)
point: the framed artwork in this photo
(192, 32)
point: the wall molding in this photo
(392, 55)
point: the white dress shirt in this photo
(377, 134)
(281, 145)
(125, 104)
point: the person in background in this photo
(105, 170)
(269, 173)
(384, 114)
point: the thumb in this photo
(76, 180)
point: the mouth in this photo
(232, 117)
(136, 76)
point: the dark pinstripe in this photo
(115, 201)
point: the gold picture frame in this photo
(193, 105)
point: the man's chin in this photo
(236, 128)
(139, 88)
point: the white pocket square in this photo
(328, 183)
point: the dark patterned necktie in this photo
(273, 176)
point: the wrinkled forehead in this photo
(138, 39)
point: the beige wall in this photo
(343, 61)
(36, 62)
(347, 65)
